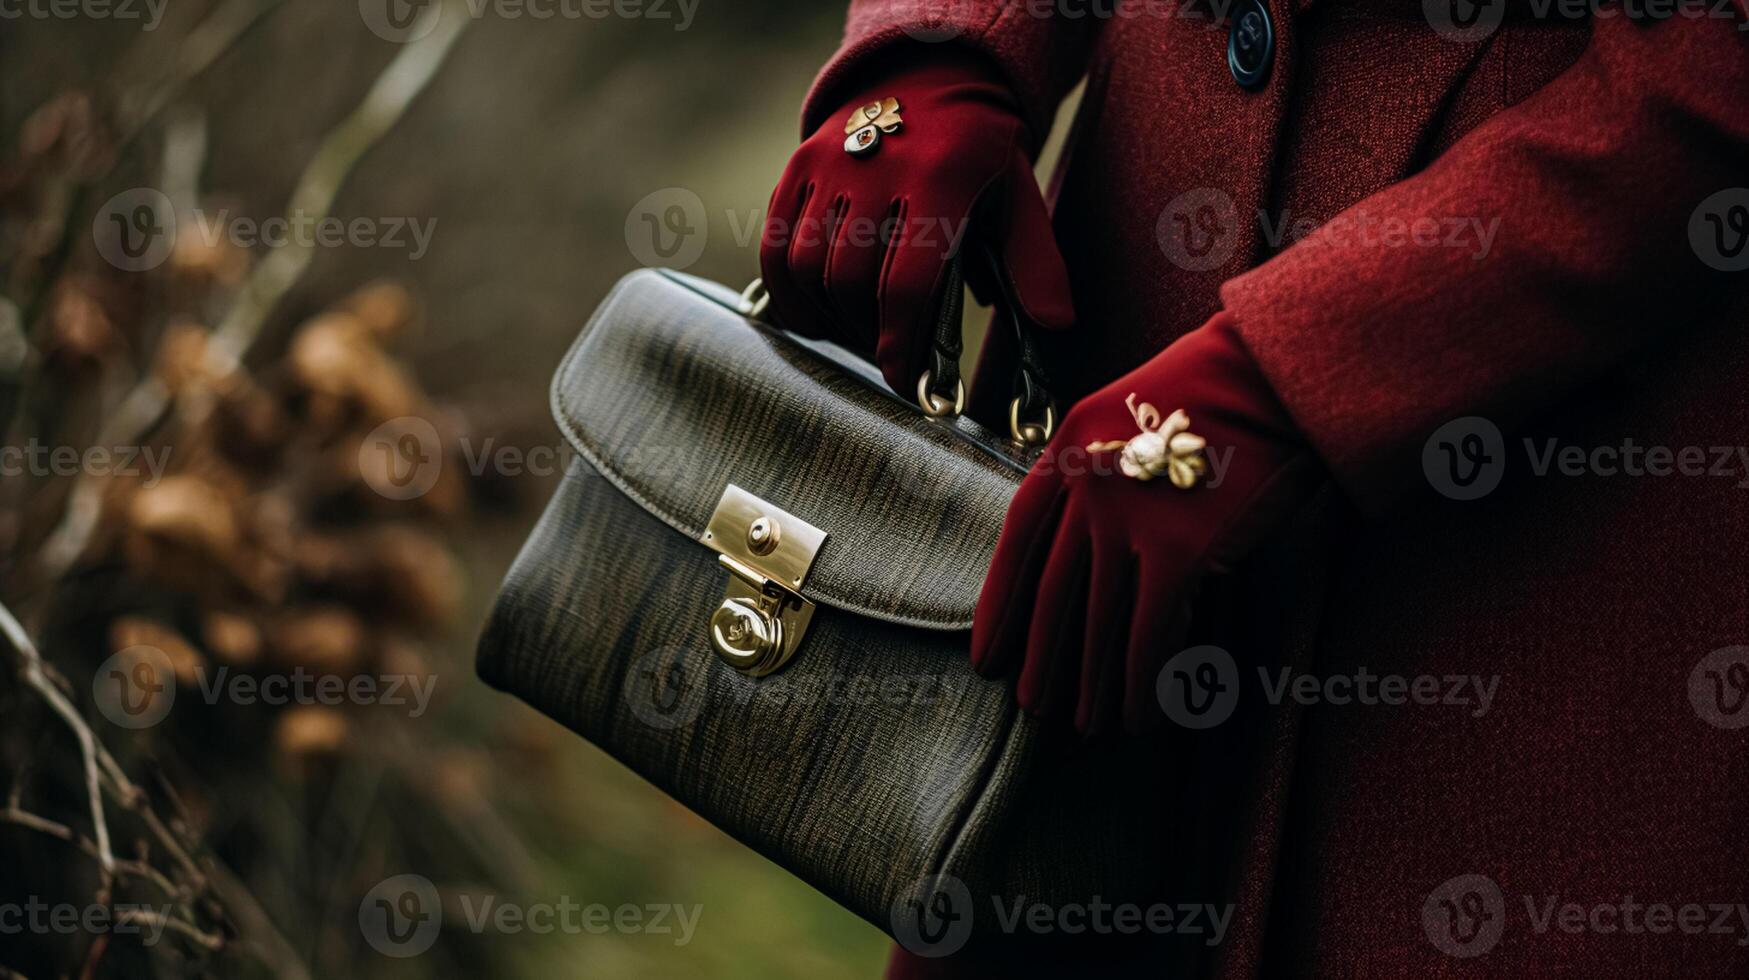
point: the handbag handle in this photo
(941, 391)
(1032, 416)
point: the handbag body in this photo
(754, 587)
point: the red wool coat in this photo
(1412, 229)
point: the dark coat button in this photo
(1250, 44)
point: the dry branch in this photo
(37, 676)
(340, 151)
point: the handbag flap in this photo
(672, 394)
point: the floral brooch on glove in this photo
(864, 128)
(1167, 447)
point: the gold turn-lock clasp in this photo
(768, 552)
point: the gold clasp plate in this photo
(768, 552)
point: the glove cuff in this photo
(1266, 468)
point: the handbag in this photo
(754, 587)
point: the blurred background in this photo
(456, 187)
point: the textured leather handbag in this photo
(755, 588)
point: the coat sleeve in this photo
(1377, 328)
(1040, 53)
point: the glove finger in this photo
(1004, 604)
(853, 270)
(1157, 632)
(1051, 670)
(1142, 710)
(808, 251)
(1111, 604)
(789, 308)
(910, 295)
(1030, 256)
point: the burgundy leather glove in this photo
(856, 246)
(1093, 576)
